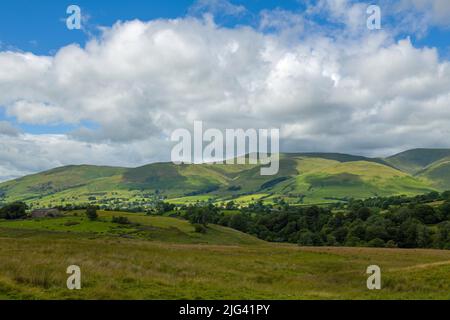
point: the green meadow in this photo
(158, 257)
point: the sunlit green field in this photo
(163, 258)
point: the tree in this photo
(445, 195)
(357, 229)
(408, 233)
(443, 235)
(340, 234)
(377, 242)
(12, 211)
(434, 195)
(199, 215)
(239, 222)
(426, 214)
(363, 213)
(352, 241)
(162, 207)
(312, 218)
(376, 228)
(305, 238)
(423, 237)
(121, 220)
(230, 205)
(391, 244)
(91, 213)
(445, 210)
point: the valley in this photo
(166, 231)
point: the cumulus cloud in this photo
(414, 17)
(7, 129)
(436, 12)
(138, 81)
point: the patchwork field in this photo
(164, 258)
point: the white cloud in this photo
(413, 17)
(437, 12)
(7, 129)
(37, 113)
(141, 80)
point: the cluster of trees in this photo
(16, 210)
(120, 220)
(386, 202)
(415, 225)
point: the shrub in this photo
(391, 244)
(71, 223)
(352, 241)
(363, 213)
(91, 213)
(377, 242)
(199, 228)
(121, 220)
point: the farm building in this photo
(45, 213)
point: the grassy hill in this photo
(143, 227)
(163, 258)
(329, 179)
(429, 165)
(413, 161)
(95, 178)
(438, 174)
(303, 178)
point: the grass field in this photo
(163, 258)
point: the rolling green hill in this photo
(429, 165)
(415, 160)
(93, 178)
(303, 178)
(323, 180)
(438, 174)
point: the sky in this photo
(112, 92)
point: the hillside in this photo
(321, 179)
(438, 174)
(429, 165)
(81, 179)
(303, 178)
(415, 160)
(142, 227)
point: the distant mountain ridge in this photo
(303, 178)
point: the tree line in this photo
(410, 224)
